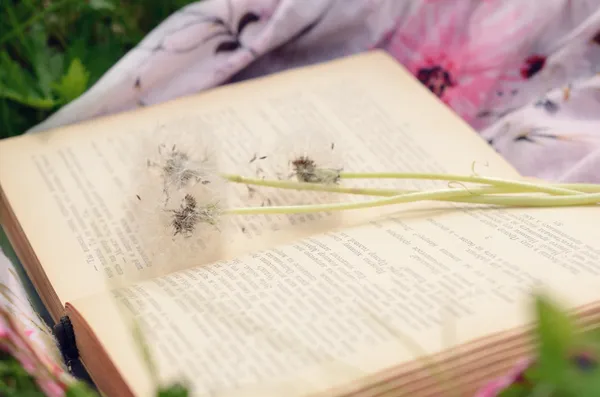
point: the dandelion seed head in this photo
(186, 231)
(178, 155)
(190, 216)
(312, 157)
(303, 165)
(309, 157)
(306, 170)
(179, 198)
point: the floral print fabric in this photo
(524, 74)
(521, 73)
(455, 49)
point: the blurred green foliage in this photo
(566, 357)
(14, 380)
(51, 51)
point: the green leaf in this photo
(559, 340)
(31, 100)
(583, 380)
(80, 389)
(556, 335)
(560, 372)
(99, 5)
(19, 86)
(27, 76)
(515, 391)
(73, 83)
(176, 390)
(14, 380)
(55, 66)
(98, 57)
(43, 60)
(532, 376)
(591, 337)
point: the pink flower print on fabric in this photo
(437, 44)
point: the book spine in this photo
(65, 336)
(67, 344)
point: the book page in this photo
(75, 190)
(307, 317)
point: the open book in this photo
(357, 303)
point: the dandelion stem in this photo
(523, 187)
(475, 196)
(533, 187)
(497, 193)
(317, 187)
(378, 192)
(296, 209)
(581, 187)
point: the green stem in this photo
(378, 192)
(533, 187)
(317, 187)
(580, 187)
(299, 209)
(476, 196)
(543, 201)
(572, 188)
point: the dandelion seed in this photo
(178, 169)
(186, 218)
(310, 158)
(190, 215)
(304, 167)
(306, 170)
(178, 156)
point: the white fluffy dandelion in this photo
(185, 232)
(313, 157)
(179, 156)
(179, 197)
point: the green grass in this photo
(51, 51)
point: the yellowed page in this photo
(74, 189)
(306, 317)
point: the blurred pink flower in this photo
(493, 388)
(458, 49)
(51, 388)
(16, 340)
